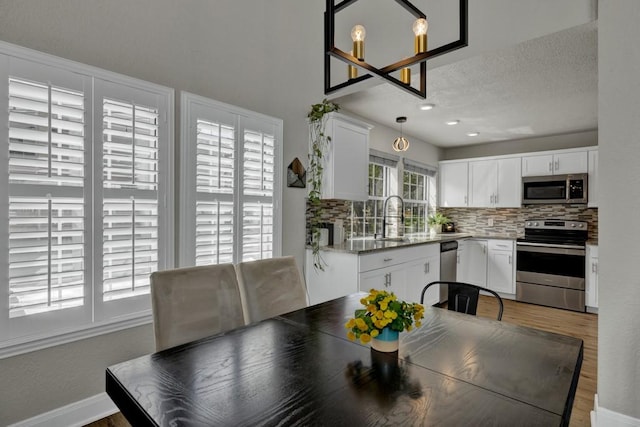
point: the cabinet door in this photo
(592, 185)
(564, 163)
(453, 184)
(350, 157)
(339, 277)
(419, 274)
(483, 178)
(472, 267)
(500, 275)
(390, 279)
(537, 165)
(509, 194)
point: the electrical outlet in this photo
(490, 222)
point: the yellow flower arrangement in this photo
(382, 309)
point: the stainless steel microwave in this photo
(554, 189)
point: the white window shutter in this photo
(230, 164)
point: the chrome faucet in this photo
(384, 213)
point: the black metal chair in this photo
(463, 297)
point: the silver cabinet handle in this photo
(550, 166)
(457, 259)
(491, 199)
(426, 267)
(594, 268)
(388, 259)
(495, 199)
(509, 259)
(465, 200)
(557, 164)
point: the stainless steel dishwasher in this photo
(448, 265)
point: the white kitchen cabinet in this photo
(472, 262)
(390, 279)
(591, 285)
(403, 271)
(495, 183)
(501, 272)
(454, 179)
(488, 263)
(339, 278)
(422, 272)
(555, 164)
(346, 162)
(592, 184)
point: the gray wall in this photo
(555, 142)
(619, 246)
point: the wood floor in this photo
(579, 325)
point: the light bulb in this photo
(420, 27)
(420, 30)
(358, 33)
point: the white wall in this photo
(619, 174)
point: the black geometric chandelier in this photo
(355, 60)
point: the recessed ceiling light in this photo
(473, 133)
(453, 122)
(425, 107)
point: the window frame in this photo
(190, 105)
(92, 321)
(426, 188)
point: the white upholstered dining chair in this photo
(194, 302)
(270, 287)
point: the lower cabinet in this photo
(472, 262)
(591, 285)
(488, 263)
(404, 271)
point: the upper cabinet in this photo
(495, 183)
(555, 164)
(592, 185)
(345, 164)
(453, 184)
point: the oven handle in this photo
(550, 249)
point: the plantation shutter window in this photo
(85, 201)
(130, 198)
(215, 178)
(44, 204)
(258, 179)
(230, 192)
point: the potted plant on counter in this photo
(435, 222)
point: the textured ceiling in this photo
(545, 86)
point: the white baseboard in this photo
(602, 417)
(75, 414)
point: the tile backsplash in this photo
(506, 221)
(510, 221)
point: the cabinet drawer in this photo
(500, 245)
(376, 260)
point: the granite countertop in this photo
(364, 245)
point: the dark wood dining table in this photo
(299, 369)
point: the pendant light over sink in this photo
(401, 143)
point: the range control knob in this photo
(535, 224)
(580, 225)
(528, 223)
(573, 225)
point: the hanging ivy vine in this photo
(319, 144)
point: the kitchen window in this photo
(230, 193)
(418, 192)
(367, 216)
(84, 205)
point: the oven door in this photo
(552, 265)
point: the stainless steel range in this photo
(550, 266)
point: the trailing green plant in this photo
(437, 220)
(319, 143)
